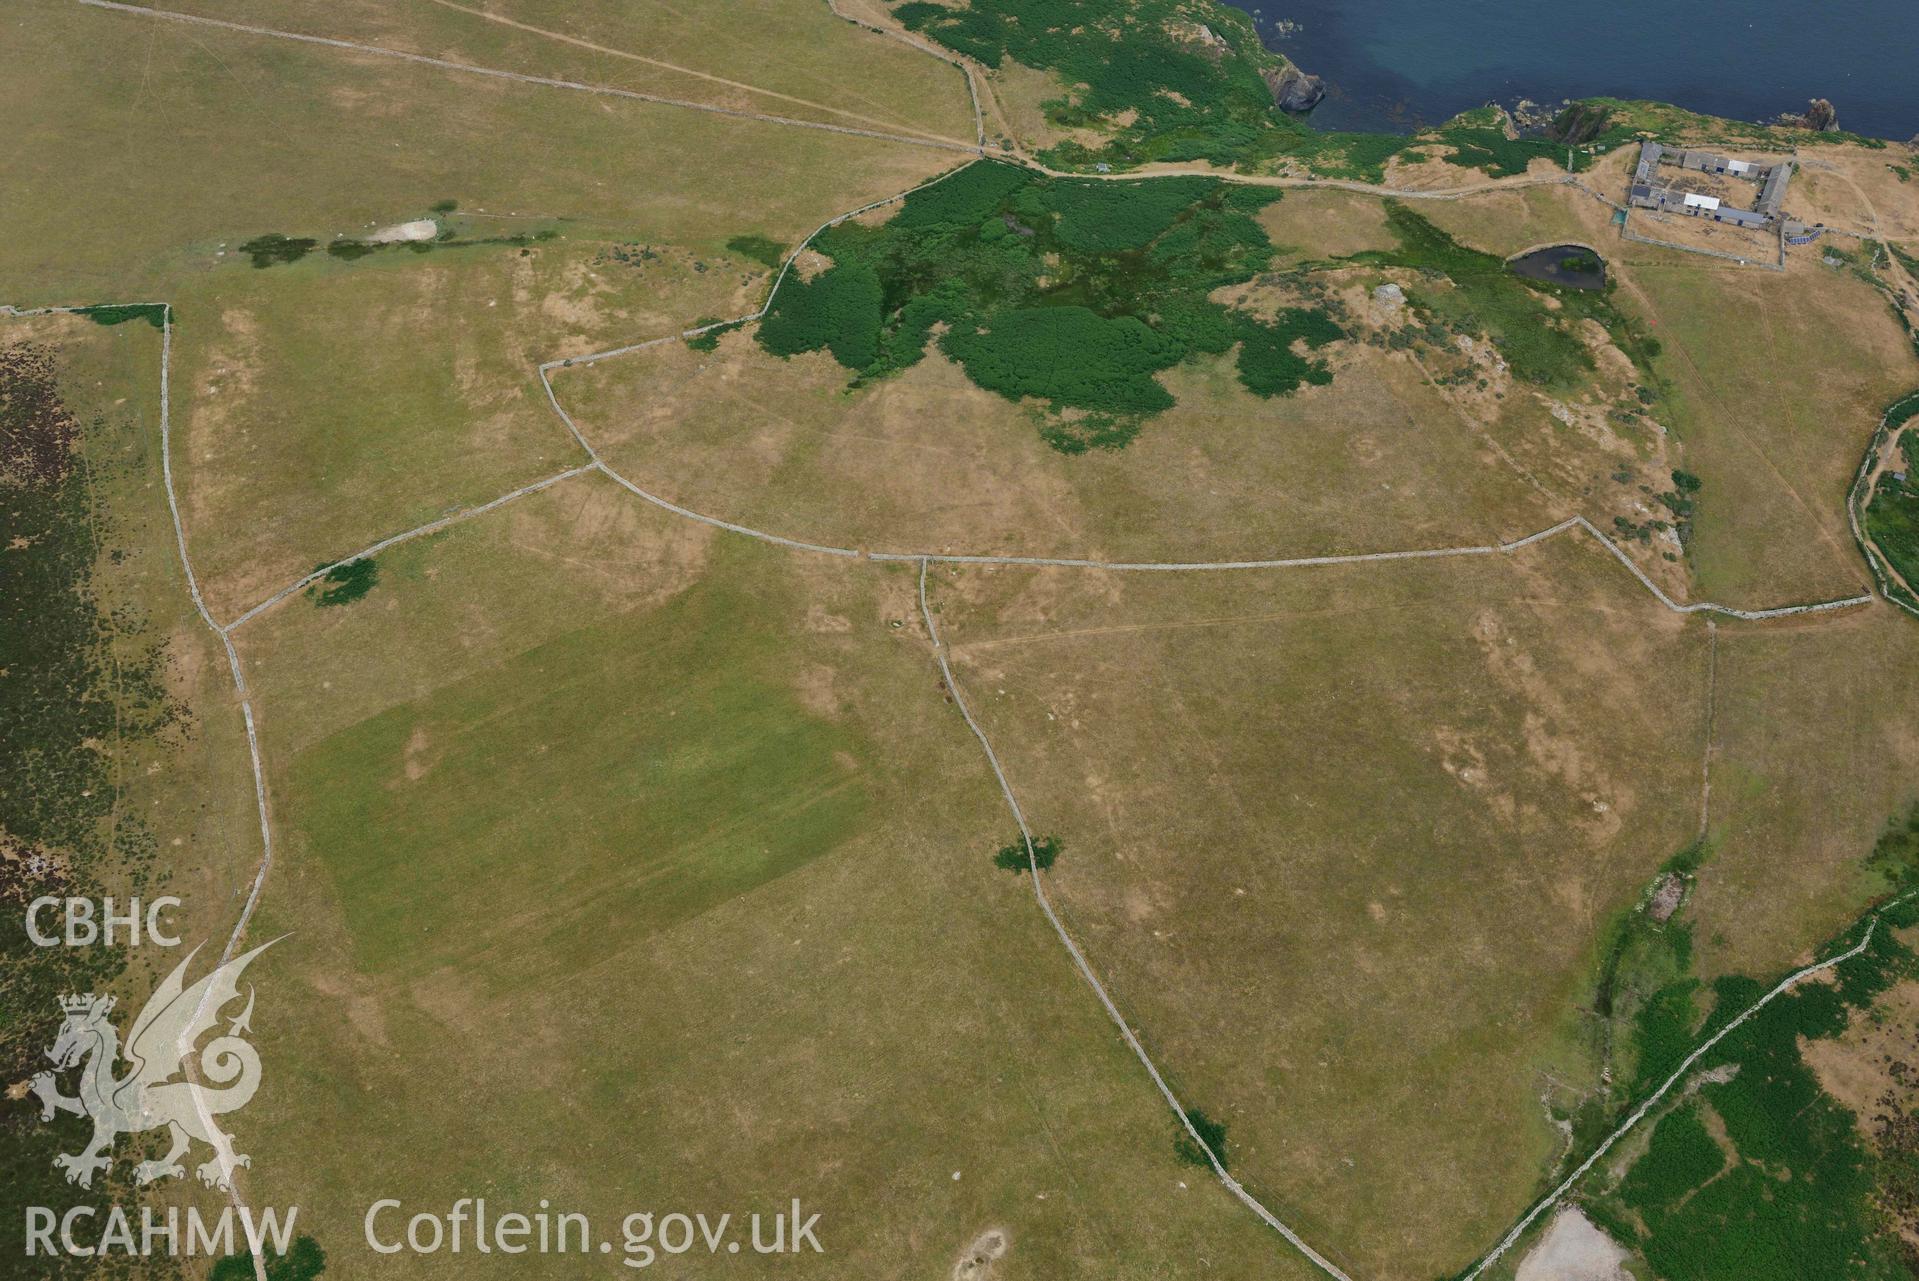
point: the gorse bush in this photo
(303, 1261)
(1892, 519)
(1892, 512)
(273, 248)
(1479, 140)
(760, 249)
(1189, 100)
(1680, 1157)
(1070, 356)
(715, 329)
(345, 583)
(118, 314)
(838, 310)
(1013, 858)
(1489, 148)
(963, 199)
(1267, 363)
(1105, 217)
(1896, 854)
(1212, 1139)
(1073, 293)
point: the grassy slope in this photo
(358, 398)
(126, 181)
(1773, 413)
(928, 460)
(1772, 385)
(1815, 752)
(1345, 840)
(887, 1011)
(562, 842)
(789, 47)
(352, 401)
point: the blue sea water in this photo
(1400, 64)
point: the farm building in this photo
(1650, 189)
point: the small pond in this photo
(1572, 265)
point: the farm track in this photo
(925, 559)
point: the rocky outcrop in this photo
(1819, 114)
(1666, 897)
(1578, 124)
(1293, 89)
(1213, 45)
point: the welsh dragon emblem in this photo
(156, 1091)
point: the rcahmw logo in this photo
(153, 1090)
(87, 1231)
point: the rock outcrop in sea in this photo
(1820, 114)
(1293, 89)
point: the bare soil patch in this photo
(980, 1260)
(1572, 1249)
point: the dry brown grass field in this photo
(1505, 222)
(331, 402)
(768, 56)
(224, 136)
(1859, 191)
(1323, 224)
(354, 400)
(641, 866)
(1814, 751)
(509, 777)
(1344, 839)
(927, 461)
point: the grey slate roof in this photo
(1773, 194)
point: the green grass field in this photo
(738, 786)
